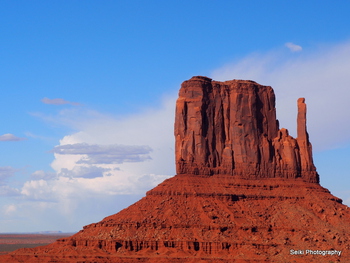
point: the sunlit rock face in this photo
(245, 191)
(231, 128)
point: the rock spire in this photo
(231, 128)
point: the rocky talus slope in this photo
(245, 191)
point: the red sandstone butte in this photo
(245, 191)
(231, 128)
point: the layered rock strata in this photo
(219, 218)
(246, 191)
(231, 128)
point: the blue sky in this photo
(88, 90)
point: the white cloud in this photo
(321, 77)
(90, 171)
(5, 173)
(58, 101)
(6, 190)
(38, 190)
(128, 139)
(105, 154)
(10, 209)
(107, 157)
(72, 200)
(40, 174)
(293, 47)
(8, 137)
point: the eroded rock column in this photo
(307, 167)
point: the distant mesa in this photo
(245, 191)
(50, 232)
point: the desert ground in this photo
(11, 242)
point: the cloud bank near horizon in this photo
(105, 158)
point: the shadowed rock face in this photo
(231, 128)
(245, 191)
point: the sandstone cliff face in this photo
(246, 191)
(231, 128)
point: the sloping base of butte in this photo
(220, 216)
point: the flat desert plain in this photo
(11, 242)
